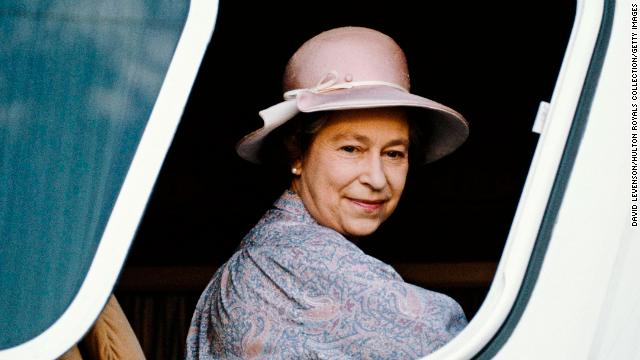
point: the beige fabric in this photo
(72, 354)
(110, 338)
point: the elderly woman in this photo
(298, 287)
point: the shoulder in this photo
(280, 228)
(315, 248)
(296, 247)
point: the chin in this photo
(362, 228)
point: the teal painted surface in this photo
(78, 80)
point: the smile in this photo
(368, 205)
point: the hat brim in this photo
(444, 127)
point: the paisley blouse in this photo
(298, 290)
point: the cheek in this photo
(326, 178)
(397, 178)
(338, 172)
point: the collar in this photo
(292, 203)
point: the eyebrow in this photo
(365, 139)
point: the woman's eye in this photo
(395, 154)
(349, 149)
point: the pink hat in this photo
(354, 68)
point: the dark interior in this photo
(491, 61)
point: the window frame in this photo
(134, 193)
(542, 195)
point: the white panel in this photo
(533, 201)
(586, 303)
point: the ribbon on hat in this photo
(329, 83)
(278, 114)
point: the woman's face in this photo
(354, 171)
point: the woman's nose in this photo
(373, 173)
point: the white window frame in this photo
(500, 313)
(134, 194)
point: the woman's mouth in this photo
(368, 205)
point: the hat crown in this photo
(353, 53)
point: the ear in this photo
(296, 167)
